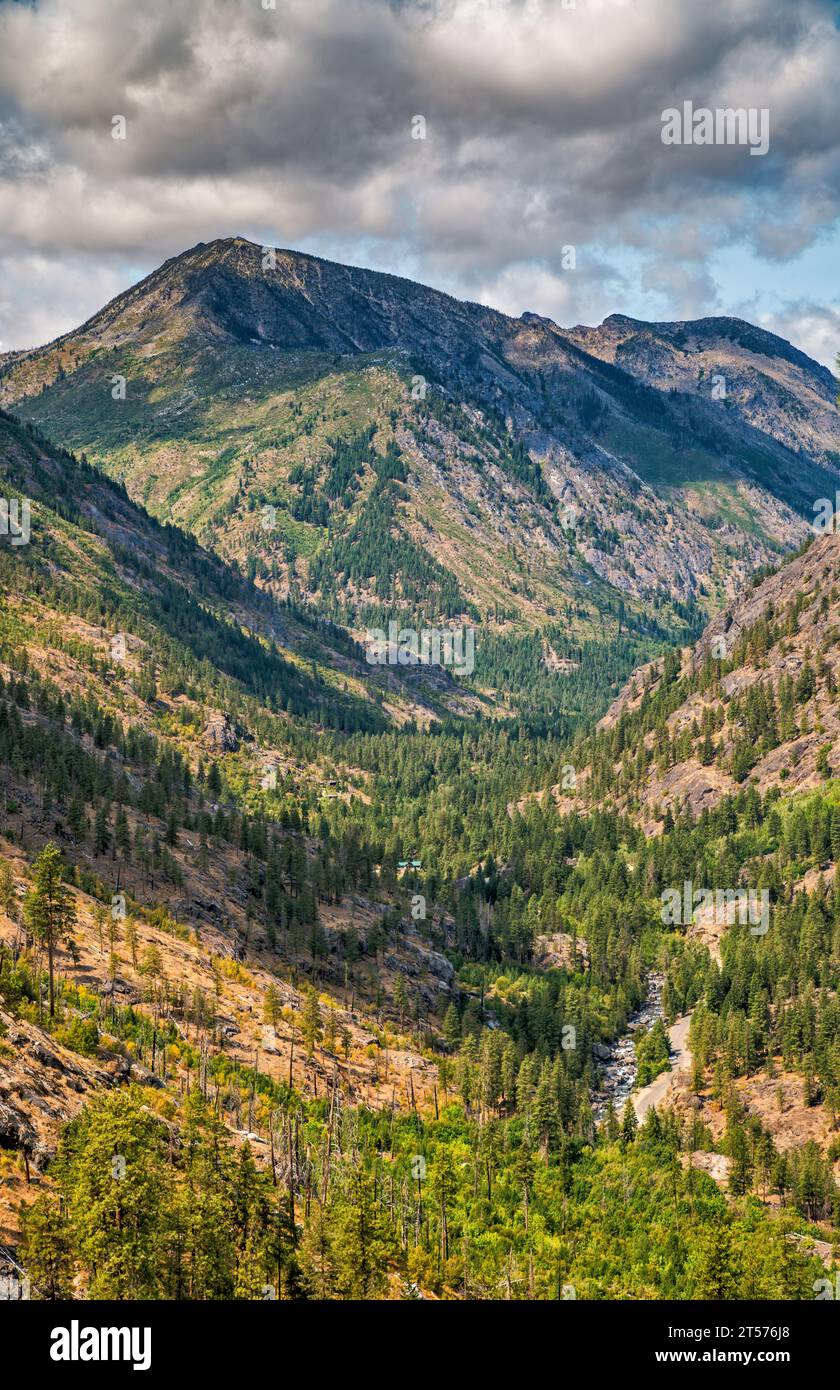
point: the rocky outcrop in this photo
(220, 734)
(15, 1130)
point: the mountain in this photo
(165, 725)
(378, 449)
(752, 705)
(301, 962)
(773, 387)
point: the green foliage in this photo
(652, 1053)
(49, 909)
(461, 1210)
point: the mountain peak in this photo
(622, 321)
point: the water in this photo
(618, 1073)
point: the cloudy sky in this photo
(294, 126)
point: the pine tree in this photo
(715, 1265)
(357, 1238)
(102, 829)
(443, 1186)
(738, 1148)
(122, 834)
(311, 1025)
(330, 1030)
(117, 1185)
(452, 1027)
(629, 1123)
(132, 939)
(50, 909)
(611, 1128)
(47, 1248)
(272, 1005)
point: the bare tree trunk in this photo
(51, 970)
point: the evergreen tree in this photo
(50, 910)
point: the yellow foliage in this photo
(232, 970)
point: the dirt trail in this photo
(656, 1092)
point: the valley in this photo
(325, 977)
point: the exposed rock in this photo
(144, 1077)
(15, 1131)
(716, 1165)
(119, 986)
(435, 964)
(555, 951)
(42, 1156)
(45, 1057)
(220, 735)
(121, 1070)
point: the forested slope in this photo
(324, 1074)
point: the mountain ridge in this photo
(334, 958)
(513, 476)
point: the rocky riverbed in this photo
(617, 1060)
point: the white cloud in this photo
(42, 297)
(814, 328)
(543, 129)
